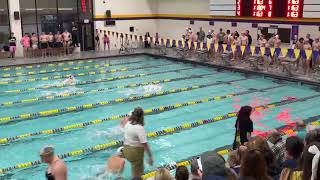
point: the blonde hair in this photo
(163, 174)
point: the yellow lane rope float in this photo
(52, 112)
(94, 66)
(79, 93)
(167, 131)
(56, 64)
(14, 91)
(225, 150)
(91, 73)
(117, 117)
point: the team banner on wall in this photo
(233, 48)
(252, 49)
(189, 44)
(243, 49)
(272, 51)
(208, 46)
(297, 53)
(284, 52)
(309, 54)
(224, 46)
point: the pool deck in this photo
(171, 54)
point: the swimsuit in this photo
(49, 176)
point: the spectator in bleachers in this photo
(293, 150)
(301, 129)
(259, 143)
(212, 166)
(235, 157)
(163, 174)
(313, 135)
(277, 145)
(182, 173)
(253, 166)
(310, 165)
(195, 172)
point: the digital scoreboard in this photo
(270, 8)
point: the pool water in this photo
(166, 149)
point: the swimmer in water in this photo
(70, 80)
(115, 164)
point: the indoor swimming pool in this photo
(82, 120)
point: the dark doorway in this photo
(86, 36)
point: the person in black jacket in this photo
(249, 37)
(244, 125)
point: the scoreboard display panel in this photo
(270, 8)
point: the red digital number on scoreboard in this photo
(238, 7)
(262, 8)
(294, 8)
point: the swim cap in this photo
(47, 150)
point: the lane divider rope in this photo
(79, 93)
(117, 117)
(60, 64)
(285, 130)
(52, 112)
(91, 73)
(95, 66)
(167, 131)
(90, 81)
